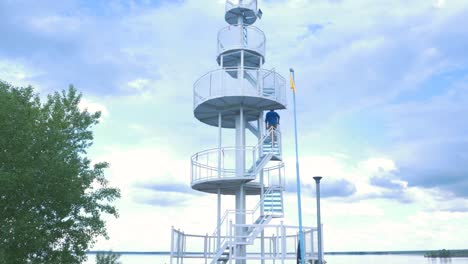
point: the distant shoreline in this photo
(455, 252)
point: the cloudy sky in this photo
(382, 109)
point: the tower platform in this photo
(215, 169)
(226, 90)
(234, 39)
(227, 186)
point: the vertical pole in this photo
(178, 245)
(262, 234)
(270, 250)
(319, 224)
(218, 238)
(321, 240)
(172, 243)
(312, 241)
(218, 243)
(183, 248)
(240, 194)
(298, 179)
(205, 246)
(277, 239)
(219, 142)
(222, 75)
(240, 22)
(210, 250)
(283, 243)
(260, 85)
(231, 246)
(241, 74)
(274, 247)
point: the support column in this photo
(262, 191)
(240, 193)
(219, 144)
(218, 239)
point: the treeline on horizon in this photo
(453, 252)
(429, 253)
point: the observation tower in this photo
(235, 97)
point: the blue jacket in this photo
(272, 118)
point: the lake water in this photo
(331, 259)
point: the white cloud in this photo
(139, 84)
(55, 23)
(18, 74)
(93, 106)
(374, 165)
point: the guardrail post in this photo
(183, 248)
(211, 76)
(283, 243)
(254, 161)
(232, 247)
(276, 241)
(321, 242)
(312, 242)
(205, 248)
(219, 143)
(274, 84)
(209, 247)
(273, 242)
(178, 246)
(172, 244)
(280, 145)
(305, 245)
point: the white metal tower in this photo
(234, 97)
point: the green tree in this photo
(51, 197)
(107, 258)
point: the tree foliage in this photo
(107, 258)
(51, 197)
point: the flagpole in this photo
(298, 179)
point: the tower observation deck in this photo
(235, 97)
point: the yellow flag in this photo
(291, 82)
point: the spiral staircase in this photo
(235, 96)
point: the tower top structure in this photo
(245, 9)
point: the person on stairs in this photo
(272, 120)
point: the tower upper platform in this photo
(214, 170)
(247, 9)
(226, 90)
(234, 38)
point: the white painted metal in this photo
(262, 192)
(231, 97)
(281, 239)
(231, 38)
(247, 9)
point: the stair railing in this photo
(257, 151)
(273, 175)
(225, 233)
(268, 191)
(275, 135)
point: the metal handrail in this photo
(282, 240)
(229, 38)
(226, 82)
(216, 172)
(268, 191)
(230, 4)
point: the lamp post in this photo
(319, 225)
